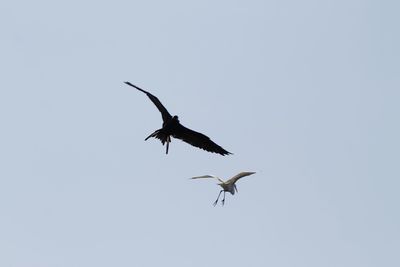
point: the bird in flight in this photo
(172, 127)
(228, 186)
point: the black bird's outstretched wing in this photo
(198, 140)
(164, 112)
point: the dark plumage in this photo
(172, 127)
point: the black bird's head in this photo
(175, 118)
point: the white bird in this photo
(228, 186)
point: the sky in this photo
(304, 93)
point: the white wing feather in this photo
(208, 176)
(238, 176)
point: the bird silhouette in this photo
(172, 127)
(227, 186)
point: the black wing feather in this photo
(164, 112)
(198, 140)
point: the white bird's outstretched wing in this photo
(208, 176)
(238, 176)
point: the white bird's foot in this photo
(215, 203)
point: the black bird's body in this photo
(172, 127)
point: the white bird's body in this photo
(227, 186)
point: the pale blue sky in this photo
(305, 93)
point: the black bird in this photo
(172, 127)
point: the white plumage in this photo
(228, 186)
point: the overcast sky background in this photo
(305, 93)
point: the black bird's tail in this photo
(163, 137)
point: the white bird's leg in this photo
(223, 200)
(216, 201)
